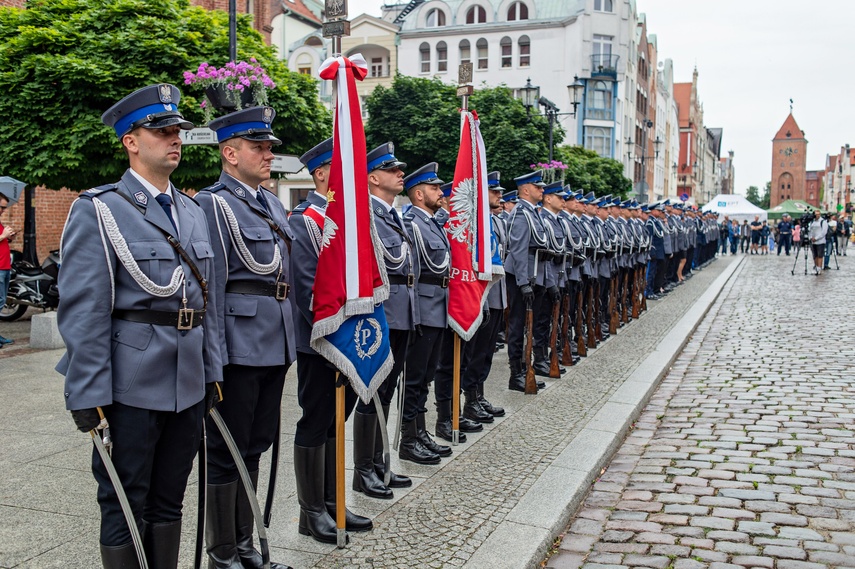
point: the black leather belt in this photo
(434, 280)
(279, 291)
(183, 319)
(407, 280)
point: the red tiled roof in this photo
(790, 126)
(298, 7)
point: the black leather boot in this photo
(517, 379)
(249, 557)
(541, 361)
(314, 518)
(161, 543)
(473, 409)
(411, 447)
(395, 480)
(493, 410)
(220, 540)
(365, 478)
(424, 436)
(352, 522)
(119, 556)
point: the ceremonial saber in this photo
(203, 504)
(381, 423)
(247, 485)
(123, 498)
(455, 394)
(274, 466)
(340, 511)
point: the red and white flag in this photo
(469, 233)
(350, 284)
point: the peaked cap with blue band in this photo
(554, 188)
(535, 178)
(424, 175)
(155, 106)
(590, 198)
(446, 189)
(252, 124)
(383, 158)
(318, 156)
(570, 194)
(493, 183)
(510, 196)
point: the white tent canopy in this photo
(735, 207)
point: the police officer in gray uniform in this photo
(385, 182)
(137, 284)
(432, 269)
(314, 439)
(524, 270)
(553, 202)
(251, 238)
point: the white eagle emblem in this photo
(463, 205)
(330, 228)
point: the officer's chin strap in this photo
(381, 423)
(104, 444)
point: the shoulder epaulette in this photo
(98, 190)
(214, 188)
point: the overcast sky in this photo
(753, 56)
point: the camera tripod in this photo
(803, 245)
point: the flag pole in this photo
(335, 27)
(464, 89)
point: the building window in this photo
(304, 64)
(481, 45)
(250, 7)
(525, 51)
(465, 52)
(377, 67)
(599, 101)
(517, 11)
(476, 15)
(363, 107)
(507, 49)
(435, 18)
(424, 55)
(599, 140)
(602, 51)
(603, 6)
(441, 56)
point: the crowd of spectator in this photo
(760, 237)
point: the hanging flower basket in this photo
(234, 86)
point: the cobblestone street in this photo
(745, 455)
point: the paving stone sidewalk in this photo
(745, 455)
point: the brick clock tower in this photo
(789, 163)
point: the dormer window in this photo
(476, 15)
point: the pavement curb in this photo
(546, 508)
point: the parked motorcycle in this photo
(31, 286)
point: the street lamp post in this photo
(656, 144)
(531, 97)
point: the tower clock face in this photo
(788, 151)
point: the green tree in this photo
(421, 117)
(766, 200)
(590, 172)
(64, 62)
(752, 194)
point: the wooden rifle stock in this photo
(581, 347)
(636, 292)
(566, 352)
(530, 381)
(554, 371)
(624, 298)
(590, 329)
(613, 314)
(598, 311)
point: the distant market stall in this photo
(735, 207)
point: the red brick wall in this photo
(51, 210)
(12, 3)
(261, 8)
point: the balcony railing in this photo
(604, 64)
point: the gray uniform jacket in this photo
(555, 244)
(307, 227)
(526, 237)
(255, 330)
(605, 235)
(573, 235)
(142, 365)
(668, 237)
(434, 262)
(592, 263)
(497, 296)
(400, 307)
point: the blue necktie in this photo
(262, 200)
(166, 203)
